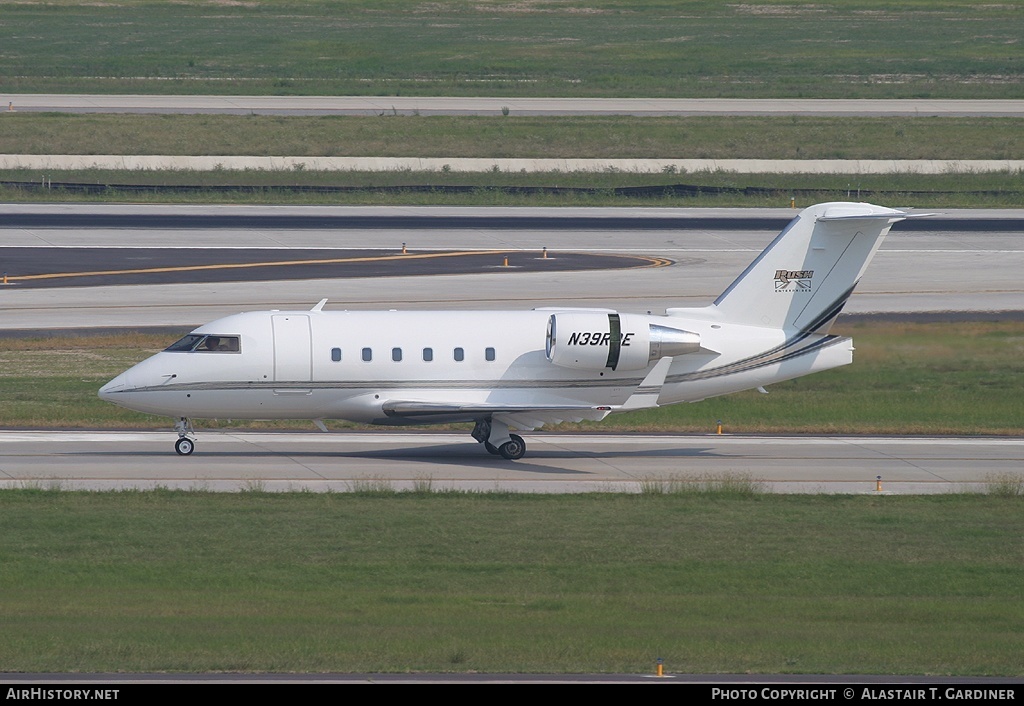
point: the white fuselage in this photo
(350, 365)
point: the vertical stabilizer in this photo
(804, 277)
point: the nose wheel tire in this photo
(184, 446)
(514, 449)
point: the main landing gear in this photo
(184, 446)
(498, 441)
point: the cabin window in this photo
(336, 355)
(489, 354)
(367, 354)
(396, 355)
(460, 355)
(428, 354)
(206, 343)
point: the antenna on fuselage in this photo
(319, 306)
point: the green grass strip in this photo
(826, 49)
(193, 581)
(714, 189)
(592, 137)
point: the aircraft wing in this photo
(528, 417)
(523, 417)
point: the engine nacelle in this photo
(592, 340)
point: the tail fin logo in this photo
(793, 280)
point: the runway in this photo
(556, 463)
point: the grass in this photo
(452, 47)
(738, 485)
(1005, 484)
(498, 137)
(610, 137)
(67, 371)
(720, 583)
(907, 378)
(572, 49)
(713, 189)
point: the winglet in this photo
(646, 395)
(319, 306)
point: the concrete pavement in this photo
(555, 463)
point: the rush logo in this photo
(793, 280)
(596, 338)
(786, 275)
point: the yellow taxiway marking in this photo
(654, 262)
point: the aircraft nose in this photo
(118, 384)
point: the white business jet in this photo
(506, 370)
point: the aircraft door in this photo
(293, 348)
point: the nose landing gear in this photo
(184, 446)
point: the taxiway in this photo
(962, 261)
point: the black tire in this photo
(491, 448)
(184, 446)
(514, 449)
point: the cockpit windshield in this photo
(206, 343)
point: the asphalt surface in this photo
(90, 267)
(194, 261)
